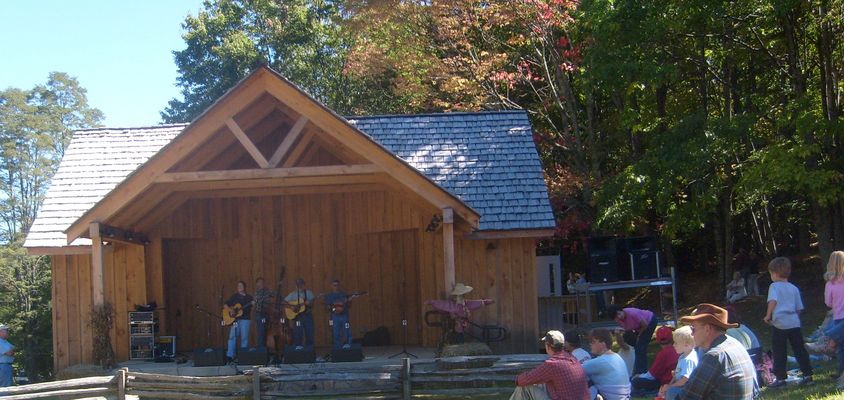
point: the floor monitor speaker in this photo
(209, 357)
(304, 355)
(353, 354)
(252, 356)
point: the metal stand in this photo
(659, 283)
(403, 342)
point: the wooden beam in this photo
(448, 249)
(187, 141)
(300, 148)
(115, 234)
(58, 250)
(247, 143)
(97, 282)
(273, 173)
(518, 233)
(291, 181)
(288, 141)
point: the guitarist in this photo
(301, 300)
(240, 328)
(262, 299)
(338, 308)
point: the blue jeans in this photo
(303, 326)
(341, 331)
(641, 347)
(260, 330)
(835, 331)
(5, 375)
(239, 328)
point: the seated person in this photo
(648, 383)
(684, 344)
(607, 370)
(573, 346)
(625, 342)
(559, 377)
(736, 289)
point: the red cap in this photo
(664, 334)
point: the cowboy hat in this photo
(460, 289)
(709, 314)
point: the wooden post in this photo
(405, 378)
(98, 297)
(448, 249)
(122, 377)
(256, 384)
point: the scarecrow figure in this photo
(459, 309)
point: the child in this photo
(625, 350)
(659, 374)
(834, 299)
(783, 314)
(572, 345)
(684, 344)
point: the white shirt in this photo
(789, 303)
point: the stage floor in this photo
(372, 355)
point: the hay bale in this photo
(80, 371)
(466, 349)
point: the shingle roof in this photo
(487, 159)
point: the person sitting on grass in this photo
(606, 371)
(744, 335)
(684, 344)
(573, 346)
(625, 341)
(647, 384)
(736, 289)
(559, 377)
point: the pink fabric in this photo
(634, 317)
(461, 313)
(833, 295)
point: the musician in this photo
(262, 301)
(338, 308)
(240, 328)
(303, 332)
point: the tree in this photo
(35, 129)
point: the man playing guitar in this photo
(300, 301)
(240, 327)
(338, 308)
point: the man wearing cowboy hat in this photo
(7, 351)
(459, 309)
(725, 370)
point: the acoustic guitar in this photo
(339, 306)
(230, 314)
(293, 308)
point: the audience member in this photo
(783, 314)
(607, 370)
(559, 377)
(573, 346)
(736, 289)
(684, 344)
(648, 383)
(643, 322)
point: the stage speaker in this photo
(601, 246)
(305, 355)
(209, 357)
(603, 259)
(641, 243)
(644, 264)
(252, 356)
(353, 354)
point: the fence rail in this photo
(447, 378)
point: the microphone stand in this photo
(404, 328)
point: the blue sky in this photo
(120, 51)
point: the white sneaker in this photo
(299, 348)
(347, 346)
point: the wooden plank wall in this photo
(371, 241)
(125, 286)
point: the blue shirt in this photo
(4, 347)
(686, 364)
(789, 304)
(607, 369)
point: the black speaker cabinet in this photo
(601, 245)
(644, 264)
(641, 243)
(305, 355)
(209, 357)
(602, 269)
(252, 356)
(353, 354)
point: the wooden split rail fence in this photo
(446, 378)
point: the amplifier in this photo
(252, 356)
(305, 355)
(352, 354)
(141, 317)
(209, 357)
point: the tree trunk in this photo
(824, 228)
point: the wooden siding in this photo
(125, 286)
(371, 240)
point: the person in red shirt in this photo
(660, 372)
(559, 377)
